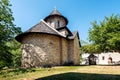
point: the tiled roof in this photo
(56, 13)
(41, 27)
(92, 56)
(73, 35)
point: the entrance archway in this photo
(110, 60)
(92, 59)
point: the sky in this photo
(80, 13)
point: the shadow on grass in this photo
(80, 76)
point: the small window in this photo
(58, 23)
(103, 58)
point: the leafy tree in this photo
(15, 50)
(106, 35)
(7, 33)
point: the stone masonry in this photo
(50, 43)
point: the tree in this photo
(7, 33)
(89, 48)
(106, 35)
(15, 50)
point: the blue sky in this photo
(80, 13)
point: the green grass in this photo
(63, 73)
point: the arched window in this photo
(58, 23)
(110, 60)
(103, 57)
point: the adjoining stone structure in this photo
(50, 43)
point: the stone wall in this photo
(70, 51)
(40, 50)
(53, 22)
(76, 55)
(49, 50)
(64, 32)
(64, 51)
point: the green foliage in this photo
(7, 33)
(90, 48)
(15, 71)
(15, 50)
(106, 35)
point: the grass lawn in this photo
(63, 73)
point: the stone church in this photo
(50, 43)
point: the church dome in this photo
(56, 13)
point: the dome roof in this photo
(55, 12)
